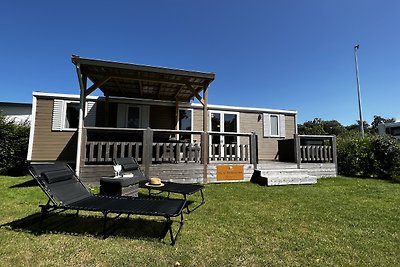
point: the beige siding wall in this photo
(197, 123)
(49, 145)
(267, 146)
(253, 122)
(290, 126)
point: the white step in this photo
(284, 173)
(288, 181)
(287, 177)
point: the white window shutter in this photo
(145, 116)
(90, 119)
(267, 125)
(121, 115)
(57, 119)
(282, 126)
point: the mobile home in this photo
(149, 113)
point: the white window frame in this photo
(59, 115)
(267, 123)
(278, 125)
(64, 115)
(191, 120)
(223, 120)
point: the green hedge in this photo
(14, 138)
(372, 156)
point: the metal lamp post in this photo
(356, 47)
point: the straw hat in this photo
(155, 181)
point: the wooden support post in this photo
(204, 155)
(107, 108)
(177, 118)
(253, 150)
(82, 104)
(147, 150)
(204, 137)
(297, 151)
(334, 153)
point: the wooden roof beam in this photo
(179, 90)
(96, 85)
(118, 84)
(159, 90)
(196, 94)
(149, 79)
(141, 88)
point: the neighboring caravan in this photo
(392, 128)
(17, 112)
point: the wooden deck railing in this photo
(106, 151)
(314, 153)
(315, 149)
(168, 151)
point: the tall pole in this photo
(359, 92)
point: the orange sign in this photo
(230, 172)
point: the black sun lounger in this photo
(130, 165)
(67, 192)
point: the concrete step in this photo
(291, 180)
(284, 177)
(299, 173)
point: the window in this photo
(71, 120)
(274, 125)
(66, 115)
(230, 126)
(185, 123)
(133, 118)
(395, 131)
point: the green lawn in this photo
(337, 222)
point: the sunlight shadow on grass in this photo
(88, 225)
(29, 183)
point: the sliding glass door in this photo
(222, 122)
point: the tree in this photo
(321, 127)
(314, 127)
(333, 127)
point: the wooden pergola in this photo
(142, 82)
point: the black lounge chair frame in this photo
(65, 191)
(130, 165)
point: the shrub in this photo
(372, 156)
(387, 157)
(14, 138)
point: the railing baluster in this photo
(330, 154)
(196, 154)
(91, 152)
(157, 157)
(184, 152)
(123, 147)
(137, 149)
(177, 152)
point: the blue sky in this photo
(295, 55)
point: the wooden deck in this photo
(193, 172)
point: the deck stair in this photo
(285, 177)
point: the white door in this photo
(222, 122)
